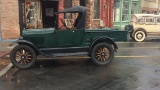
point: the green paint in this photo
(121, 24)
(50, 38)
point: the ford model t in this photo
(99, 44)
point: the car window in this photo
(158, 20)
(133, 18)
(141, 20)
(70, 20)
(150, 20)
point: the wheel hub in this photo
(23, 57)
(102, 54)
(139, 36)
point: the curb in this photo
(2, 72)
(8, 67)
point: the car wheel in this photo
(102, 54)
(23, 57)
(139, 36)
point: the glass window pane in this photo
(116, 11)
(96, 9)
(141, 20)
(125, 11)
(125, 17)
(126, 4)
(135, 5)
(33, 16)
(134, 11)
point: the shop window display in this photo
(96, 9)
(125, 13)
(33, 16)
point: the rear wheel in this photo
(102, 54)
(23, 57)
(139, 36)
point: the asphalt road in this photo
(136, 66)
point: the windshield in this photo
(70, 19)
(133, 18)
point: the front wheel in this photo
(131, 36)
(102, 54)
(139, 36)
(23, 57)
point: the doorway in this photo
(48, 13)
(82, 2)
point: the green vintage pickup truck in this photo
(99, 44)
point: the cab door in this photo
(63, 38)
(78, 36)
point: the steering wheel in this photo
(64, 24)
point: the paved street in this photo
(136, 66)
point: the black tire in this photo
(102, 54)
(131, 36)
(23, 57)
(139, 36)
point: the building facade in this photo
(123, 10)
(20, 14)
(9, 19)
(150, 6)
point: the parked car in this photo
(99, 44)
(144, 25)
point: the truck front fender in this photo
(25, 42)
(104, 39)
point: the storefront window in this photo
(134, 8)
(96, 9)
(116, 11)
(125, 13)
(33, 16)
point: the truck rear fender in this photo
(104, 39)
(24, 42)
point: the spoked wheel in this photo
(102, 54)
(23, 57)
(139, 36)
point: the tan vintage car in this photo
(144, 25)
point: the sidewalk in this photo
(5, 63)
(4, 48)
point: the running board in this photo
(68, 54)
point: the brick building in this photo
(9, 19)
(18, 14)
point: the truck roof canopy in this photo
(75, 9)
(80, 22)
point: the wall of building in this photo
(9, 19)
(149, 6)
(9, 10)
